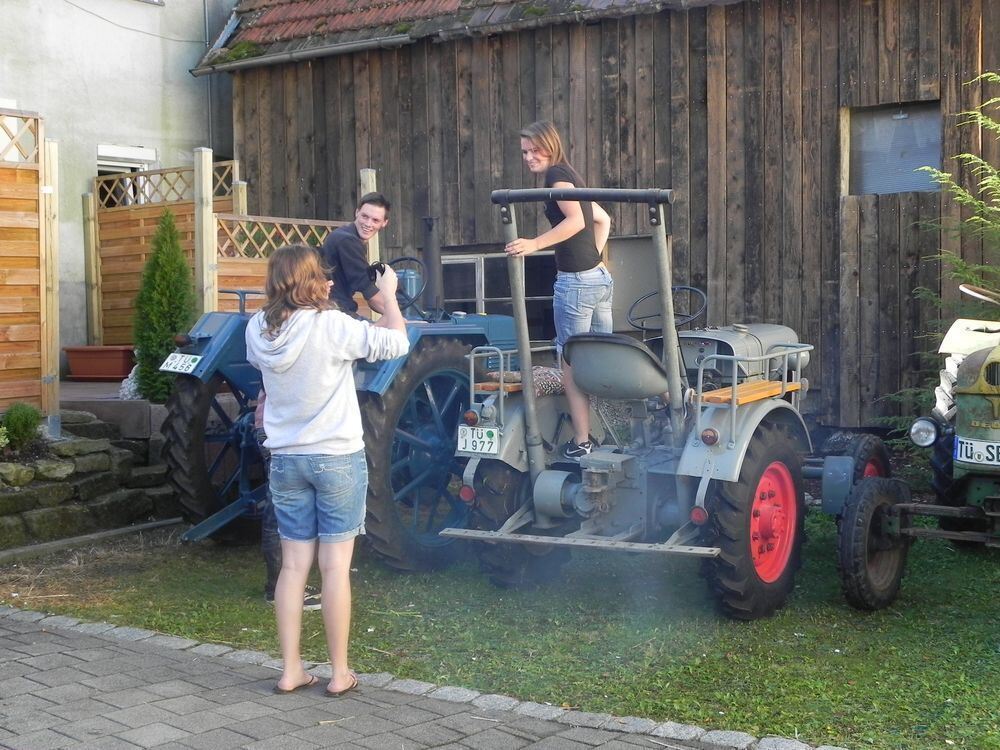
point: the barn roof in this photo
(264, 32)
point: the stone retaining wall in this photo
(89, 485)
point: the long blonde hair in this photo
(295, 281)
(543, 135)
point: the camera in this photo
(376, 269)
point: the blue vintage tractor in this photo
(409, 407)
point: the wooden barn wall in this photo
(736, 107)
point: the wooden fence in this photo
(226, 248)
(29, 319)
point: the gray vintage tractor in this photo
(710, 463)
(409, 408)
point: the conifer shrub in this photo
(164, 307)
(20, 423)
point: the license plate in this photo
(484, 441)
(977, 451)
(183, 363)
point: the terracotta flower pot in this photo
(100, 362)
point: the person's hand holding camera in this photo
(386, 280)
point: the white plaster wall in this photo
(110, 72)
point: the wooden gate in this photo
(29, 323)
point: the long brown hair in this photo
(543, 135)
(295, 281)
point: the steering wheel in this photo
(405, 300)
(697, 301)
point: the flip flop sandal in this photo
(308, 684)
(349, 688)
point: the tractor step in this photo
(588, 543)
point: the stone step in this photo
(95, 429)
(166, 503)
(147, 476)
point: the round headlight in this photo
(924, 432)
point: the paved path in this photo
(67, 684)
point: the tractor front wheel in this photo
(500, 491)
(413, 474)
(758, 524)
(871, 557)
(203, 448)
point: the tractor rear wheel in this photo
(413, 474)
(202, 449)
(500, 491)
(757, 522)
(870, 559)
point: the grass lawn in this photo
(630, 635)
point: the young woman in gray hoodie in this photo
(305, 349)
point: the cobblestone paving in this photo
(67, 684)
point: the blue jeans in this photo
(581, 303)
(317, 495)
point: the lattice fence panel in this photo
(258, 236)
(129, 189)
(19, 138)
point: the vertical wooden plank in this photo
(92, 271)
(448, 152)
(928, 248)
(910, 333)
(480, 167)
(970, 141)
(734, 231)
(321, 143)
(385, 143)
(869, 337)
(509, 122)
(580, 138)
(595, 97)
(991, 62)
(238, 104)
(366, 84)
(699, 125)
(812, 165)
(868, 53)
(753, 139)
(849, 314)
(260, 193)
(627, 118)
(610, 91)
(528, 219)
(889, 324)
(909, 50)
(403, 159)
(543, 73)
(645, 118)
(305, 140)
(829, 357)
(49, 267)
(929, 64)
(850, 53)
(336, 115)
(421, 136)
(279, 134)
(888, 52)
(250, 148)
(292, 184)
(560, 91)
(951, 83)
(466, 143)
(773, 185)
(661, 98)
(791, 174)
(680, 146)
(715, 56)
(501, 140)
(437, 116)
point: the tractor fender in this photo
(379, 376)
(219, 338)
(724, 460)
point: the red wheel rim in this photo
(874, 468)
(773, 522)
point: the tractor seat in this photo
(613, 366)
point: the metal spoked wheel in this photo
(413, 474)
(210, 449)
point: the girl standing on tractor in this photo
(583, 288)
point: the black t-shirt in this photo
(579, 252)
(344, 254)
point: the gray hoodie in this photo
(312, 407)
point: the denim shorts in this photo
(581, 303)
(319, 496)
